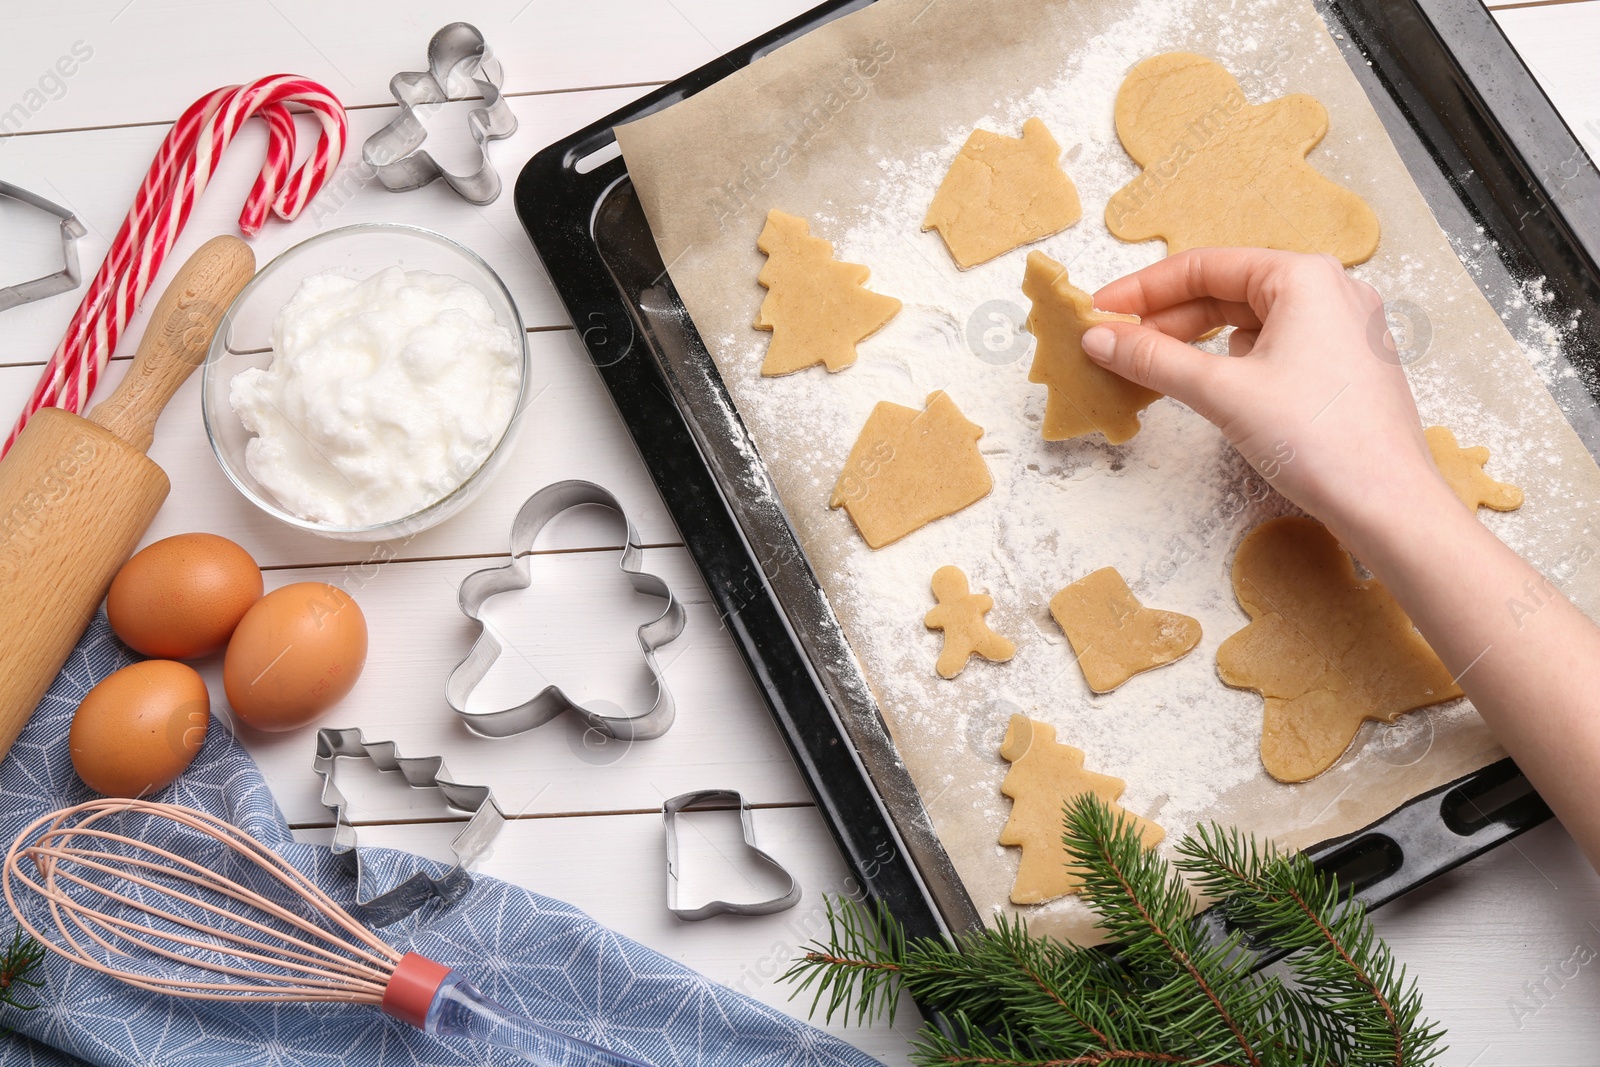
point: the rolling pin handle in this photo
(177, 339)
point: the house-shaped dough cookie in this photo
(910, 467)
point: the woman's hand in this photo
(1312, 392)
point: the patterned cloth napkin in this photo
(535, 955)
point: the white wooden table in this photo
(1494, 945)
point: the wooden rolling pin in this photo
(76, 494)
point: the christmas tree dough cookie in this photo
(1326, 648)
(1219, 170)
(1113, 635)
(1044, 776)
(1083, 397)
(910, 467)
(1002, 193)
(1463, 471)
(816, 306)
(960, 615)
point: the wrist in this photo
(1398, 516)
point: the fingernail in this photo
(1099, 343)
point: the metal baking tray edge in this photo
(1441, 66)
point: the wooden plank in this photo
(614, 867)
(353, 49)
(1557, 42)
(571, 431)
(574, 626)
(53, 167)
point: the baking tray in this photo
(1491, 156)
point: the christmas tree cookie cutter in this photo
(395, 153)
(419, 772)
(702, 800)
(551, 701)
(63, 280)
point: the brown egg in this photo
(182, 596)
(139, 728)
(294, 655)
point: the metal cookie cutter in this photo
(550, 701)
(420, 772)
(395, 152)
(696, 800)
(61, 281)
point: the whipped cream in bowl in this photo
(367, 383)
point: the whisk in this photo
(131, 909)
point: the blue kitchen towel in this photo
(535, 955)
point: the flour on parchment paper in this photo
(1166, 509)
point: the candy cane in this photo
(183, 165)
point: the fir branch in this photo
(18, 961)
(1167, 993)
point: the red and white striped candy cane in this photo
(178, 175)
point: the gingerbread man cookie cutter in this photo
(419, 772)
(395, 153)
(551, 701)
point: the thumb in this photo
(1154, 360)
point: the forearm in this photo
(1526, 657)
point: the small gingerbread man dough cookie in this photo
(1002, 193)
(910, 467)
(1219, 170)
(1113, 635)
(1463, 471)
(1083, 397)
(1325, 648)
(816, 306)
(960, 615)
(1044, 776)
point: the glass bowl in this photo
(244, 339)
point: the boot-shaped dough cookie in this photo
(1114, 636)
(1001, 193)
(1221, 171)
(910, 467)
(1325, 648)
(1044, 776)
(960, 615)
(815, 306)
(1463, 471)
(1084, 397)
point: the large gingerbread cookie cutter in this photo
(396, 154)
(551, 701)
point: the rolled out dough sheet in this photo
(853, 126)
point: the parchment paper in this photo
(831, 127)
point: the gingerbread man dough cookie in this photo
(1084, 397)
(1219, 170)
(960, 615)
(1114, 636)
(816, 306)
(910, 467)
(1326, 648)
(1044, 776)
(1002, 193)
(1463, 471)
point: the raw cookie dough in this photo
(1463, 471)
(1325, 648)
(1044, 775)
(910, 467)
(1083, 396)
(960, 615)
(815, 306)
(1001, 193)
(1221, 171)
(1114, 636)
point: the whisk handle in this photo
(441, 1003)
